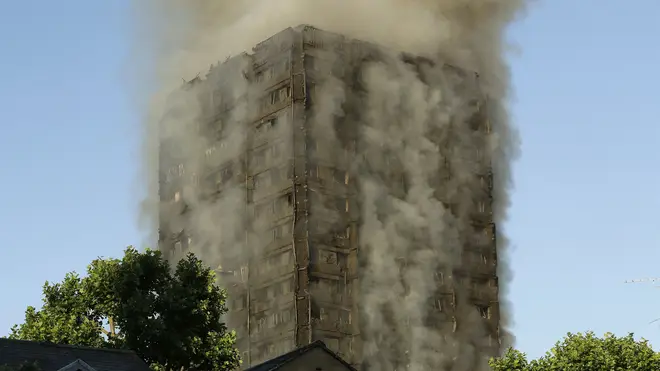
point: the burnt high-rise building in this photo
(268, 173)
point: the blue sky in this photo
(585, 208)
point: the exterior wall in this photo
(302, 208)
(333, 267)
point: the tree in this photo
(170, 319)
(586, 352)
(512, 360)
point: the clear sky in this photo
(585, 210)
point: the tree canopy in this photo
(586, 352)
(172, 319)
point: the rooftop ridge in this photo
(66, 346)
(279, 361)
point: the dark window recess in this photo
(313, 171)
(277, 232)
(259, 180)
(340, 204)
(259, 76)
(340, 176)
(341, 232)
(477, 122)
(484, 311)
(260, 210)
(315, 310)
(311, 144)
(277, 290)
(309, 62)
(226, 174)
(309, 92)
(492, 230)
(266, 125)
(280, 95)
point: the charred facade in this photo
(292, 260)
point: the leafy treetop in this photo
(170, 319)
(586, 352)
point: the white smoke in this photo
(413, 121)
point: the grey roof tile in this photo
(52, 357)
(278, 362)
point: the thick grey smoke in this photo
(409, 119)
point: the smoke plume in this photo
(413, 120)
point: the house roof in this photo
(52, 357)
(285, 358)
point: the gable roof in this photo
(52, 357)
(77, 365)
(285, 358)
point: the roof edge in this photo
(79, 362)
(67, 346)
(304, 349)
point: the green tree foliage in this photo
(512, 360)
(171, 319)
(586, 352)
